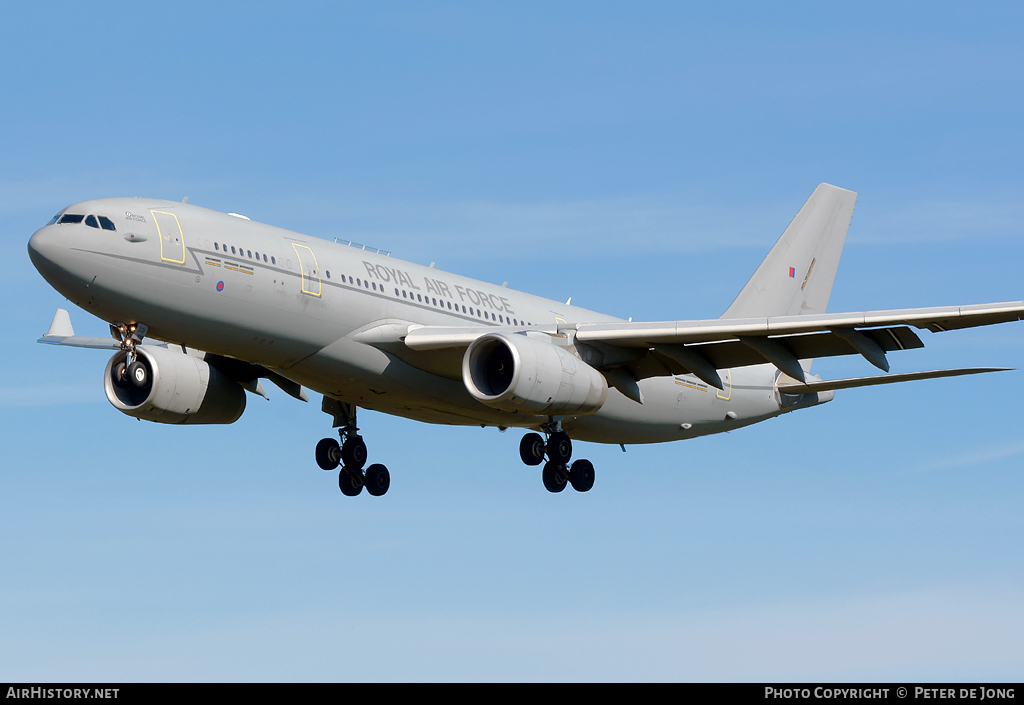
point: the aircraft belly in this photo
(677, 408)
(374, 379)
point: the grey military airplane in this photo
(204, 305)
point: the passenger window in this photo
(107, 224)
(374, 286)
(328, 274)
(232, 249)
(250, 253)
(68, 218)
(264, 258)
(216, 246)
(449, 305)
(273, 260)
(91, 222)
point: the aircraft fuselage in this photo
(320, 313)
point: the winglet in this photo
(61, 326)
(61, 333)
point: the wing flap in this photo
(734, 353)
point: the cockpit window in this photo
(91, 222)
(106, 223)
(69, 218)
(53, 219)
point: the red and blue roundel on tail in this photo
(220, 285)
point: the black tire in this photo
(560, 448)
(531, 449)
(581, 475)
(378, 479)
(553, 476)
(348, 483)
(328, 452)
(120, 375)
(138, 373)
(353, 453)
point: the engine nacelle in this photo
(180, 389)
(518, 373)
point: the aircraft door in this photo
(309, 269)
(172, 241)
(725, 394)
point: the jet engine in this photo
(168, 386)
(518, 373)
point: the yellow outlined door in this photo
(310, 270)
(172, 242)
(726, 393)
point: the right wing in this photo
(61, 333)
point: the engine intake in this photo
(518, 373)
(179, 389)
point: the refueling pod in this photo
(518, 373)
(178, 389)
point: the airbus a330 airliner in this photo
(203, 305)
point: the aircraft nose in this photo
(43, 247)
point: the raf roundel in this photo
(220, 286)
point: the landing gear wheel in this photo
(353, 453)
(328, 454)
(581, 475)
(120, 375)
(348, 483)
(377, 480)
(531, 449)
(560, 448)
(138, 373)
(553, 476)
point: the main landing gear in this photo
(350, 454)
(557, 472)
(130, 370)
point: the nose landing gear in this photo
(351, 454)
(557, 472)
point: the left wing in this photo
(702, 347)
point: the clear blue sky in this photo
(639, 157)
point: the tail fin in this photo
(797, 275)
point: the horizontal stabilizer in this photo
(788, 385)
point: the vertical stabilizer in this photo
(797, 275)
